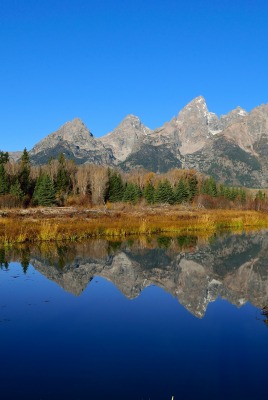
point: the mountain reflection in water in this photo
(194, 270)
(68, 333)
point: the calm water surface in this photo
(144, 319)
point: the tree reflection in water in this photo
(195, 270)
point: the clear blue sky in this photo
(101, 60)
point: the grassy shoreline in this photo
(57, 224)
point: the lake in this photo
(147, 318)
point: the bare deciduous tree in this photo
(82, 179)
(98, 179)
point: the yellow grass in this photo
(18, 227)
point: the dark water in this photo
(144, 319)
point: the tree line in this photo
(61, 182)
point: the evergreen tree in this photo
(4, 183)
(4, 157)
(221, 190)
(181, 192)
(164, 193)
(149, 193)
(233, 193)
(3, 180)
(164, 241)
(25, 158)
(44, 193)
(212, 187)
(192, 187)
(16, 191)
(24, 173)
(209, 187)
(131, 193)
(243, 195)
(227, 192)
(36, 190)
(116, 187)
(63, 179)
(25, 259)
(3, 261)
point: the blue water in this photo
(101, 345)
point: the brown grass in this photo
(39, 225)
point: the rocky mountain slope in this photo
(126, 139)
(232, 148)
(75, 141)
(15, 155)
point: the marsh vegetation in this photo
(61, 200)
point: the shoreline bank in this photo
(68, 223)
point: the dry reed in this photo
(16, 228)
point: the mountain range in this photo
(233, 148)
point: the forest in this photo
(63, 183)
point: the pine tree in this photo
(36, 190)
(209, 187)
(4, 157)
(221, 190)
(44, 193)
(181, 192)
(243, 195)
(233, 193)
(15, 190)
(131, 193)
(3, 261)
(63, 179)
(47, 192)
(25, 259)
(24, 174)
(149, 193)
(192, 187)
(116, 187)
(164, 193)
(3, 180)
(227, 192)
(4, 183)
(25, 158)
(164, 241)
(213, 187)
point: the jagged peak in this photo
(74, 121)
(74, 131)
(237, 111)
(130, 119)
(77, 120)
(199, 104)
(74, 124)
(198, 100)
(126, 125)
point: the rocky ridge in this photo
(75, 141)
(232, 148)
(126, 138)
